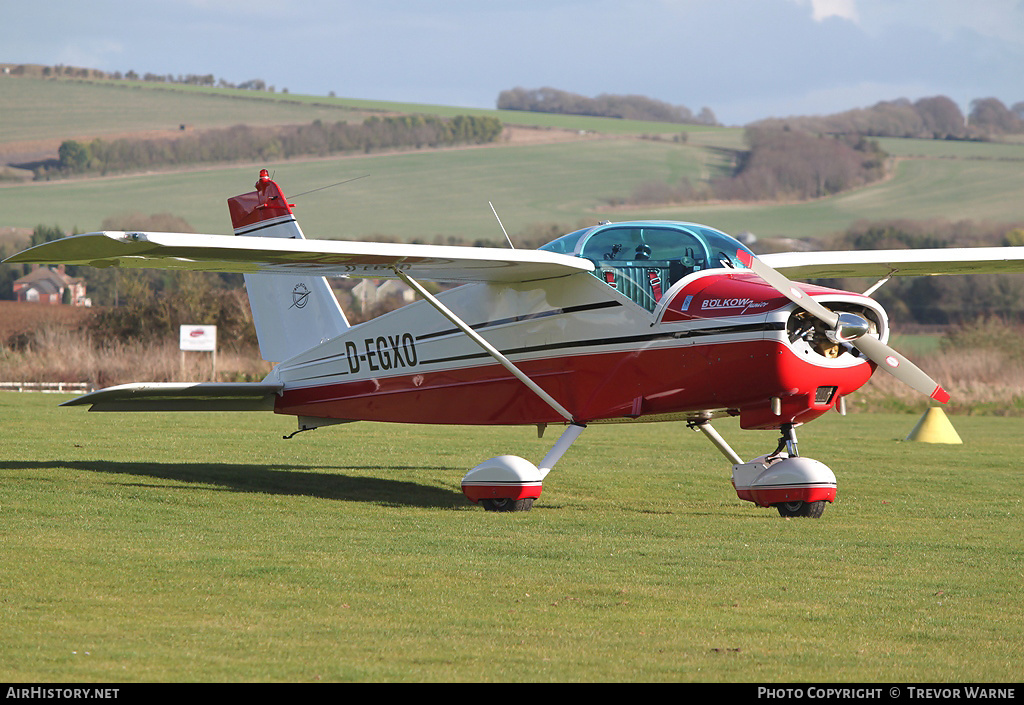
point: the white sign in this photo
(198, 338)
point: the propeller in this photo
(849, 328)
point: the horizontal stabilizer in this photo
(907, 263)
(243, 253)
(153, 396)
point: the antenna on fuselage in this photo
(354, 178)
(501, 226)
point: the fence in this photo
(54, 387)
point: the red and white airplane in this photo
(643, 321)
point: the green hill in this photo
(444, 193)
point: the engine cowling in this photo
(790, 368)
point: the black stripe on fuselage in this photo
(498, 322)
(595, 342)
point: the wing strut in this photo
(488, 348)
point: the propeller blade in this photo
(874, 349)
(900, 367)
(788, 289)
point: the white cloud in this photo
(843, 9)
(824, 9)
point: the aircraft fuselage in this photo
(718, 341)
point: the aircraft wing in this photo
(154, 396)
(908, 263)
(227, 253)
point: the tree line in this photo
(944, 300)
(940, 300)
(150, 304)
(191, 79)
(937, 117)
(632, 107)
(243, 142)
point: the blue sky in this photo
(744, 59)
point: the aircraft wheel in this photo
(811, 510)
(507, 505)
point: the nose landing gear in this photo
(795, 486)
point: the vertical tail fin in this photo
(291, 313)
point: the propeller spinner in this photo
(849, 328)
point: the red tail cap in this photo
(267, 202)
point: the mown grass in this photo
(197, 547)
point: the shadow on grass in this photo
(295, 480)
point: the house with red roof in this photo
(51, 285)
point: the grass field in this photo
(920, 189)
(65, 109)
(426, 194)
(188, 547)
(417, 195)
(205, 548)
(41, 109)
(298, 102)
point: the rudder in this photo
(291, 313)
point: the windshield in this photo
(697, 245)
(566, 245)
(644, 259)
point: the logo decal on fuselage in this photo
(731, 303)
(300, 295)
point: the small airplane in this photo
(618, 322)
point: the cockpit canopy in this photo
(643, 259)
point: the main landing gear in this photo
(507, 505)
(795, 486)
(509, 483)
